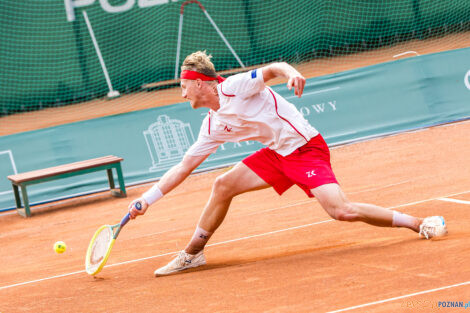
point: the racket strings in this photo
(100, 248)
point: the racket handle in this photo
(126, 218)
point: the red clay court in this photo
(272, 254)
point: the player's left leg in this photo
(238, 180)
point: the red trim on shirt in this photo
(275, 103)
(209, 122)
(224, 93)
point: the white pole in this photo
(223, 38)
(178, 46)
(112, 93)
(69, 10)
(405, 53)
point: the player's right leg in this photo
(238, 180)
(335, 203)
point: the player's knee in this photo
(346, 212)
(224, 187)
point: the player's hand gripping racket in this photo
(102, 242)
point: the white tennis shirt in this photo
(249, 110)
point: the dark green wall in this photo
(46, 60)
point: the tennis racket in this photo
(102, 242)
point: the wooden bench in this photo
(23, 180)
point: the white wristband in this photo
(152, 195)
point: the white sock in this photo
(403, 220)
(199, 240)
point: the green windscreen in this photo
(48, 58)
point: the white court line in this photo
(41, 279)
(321, 91)
(278, 208)
(168, 253)
(454, 200)
(379, 187)
(218, 243)
(400, 297)
(314, 92)
(223, 242)
(312, 200)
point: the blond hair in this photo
(200, 62)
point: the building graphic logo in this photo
(167, 141)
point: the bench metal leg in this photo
(26, 212)
(110, 178)
(112, 186)
(17, 196)
(122, 185)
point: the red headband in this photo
(192, 75)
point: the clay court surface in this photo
(272, 254)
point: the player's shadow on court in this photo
(346, 250)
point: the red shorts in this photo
(308, 167)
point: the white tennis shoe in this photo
(181, 262)
(433, 226)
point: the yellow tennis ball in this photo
(60, 246)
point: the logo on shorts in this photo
(227, 129)
(311, 173)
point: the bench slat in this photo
(62, 169)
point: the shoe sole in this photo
(179, 270)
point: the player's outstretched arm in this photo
(172, 178)
(282, 69)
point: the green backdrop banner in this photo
(371, 101)
(47, 57)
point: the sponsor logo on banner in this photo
(167, 141)
(70, 5)
(318, 108)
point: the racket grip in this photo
(126, 218)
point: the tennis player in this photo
(243, 108)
